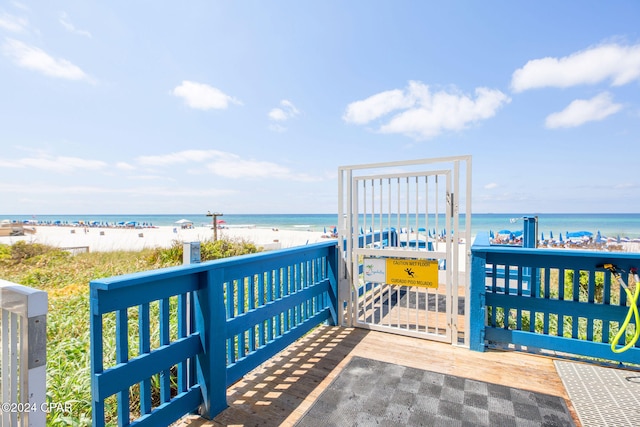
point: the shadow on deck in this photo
(281, 390)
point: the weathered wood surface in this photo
(280, 391)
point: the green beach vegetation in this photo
(65, 277)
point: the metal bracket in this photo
(37, 330)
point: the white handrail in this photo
(23, 339)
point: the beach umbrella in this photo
(491, 234)
(221, 221)
(183, 221)
(598, 237)
(324, 230)
(542, 236)
(560, 238)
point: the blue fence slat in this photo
(105, 300)
(122, 356)
(611, 313)
(144, 348)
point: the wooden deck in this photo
(280, 391)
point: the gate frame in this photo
(346, 177)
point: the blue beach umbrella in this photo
(598, 237)
(560, 238)
(551, 235)
(542, 236)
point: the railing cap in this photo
(22, 300)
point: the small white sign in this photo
(375, 270)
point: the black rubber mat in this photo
(372, 393)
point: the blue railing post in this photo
(530, 232)
(530, 240)
(477, 315)
(332, 273)
(210, 321)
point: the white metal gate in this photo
(406, 214)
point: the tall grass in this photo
(66, 279)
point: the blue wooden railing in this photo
(551, 299)
(170, 341)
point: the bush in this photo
(22, 251)
(209, 250)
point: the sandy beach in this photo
(104, 239)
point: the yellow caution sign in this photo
(412, 272)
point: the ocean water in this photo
(611, 225)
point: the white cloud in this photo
(362, 112)
(164, 192)
(620, 64)
(186, 156)
(36, 59)
(582, 111)
(61, 164)
(124, 166)
(233, 166)
(66, 23)
(491, 186)
(285, 112)
(203, 97)
(426, 114)
(13, 23)
(281, 114)
(225, 164)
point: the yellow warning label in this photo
(412, 272)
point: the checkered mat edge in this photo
(373, 393)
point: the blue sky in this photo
(251, 106)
